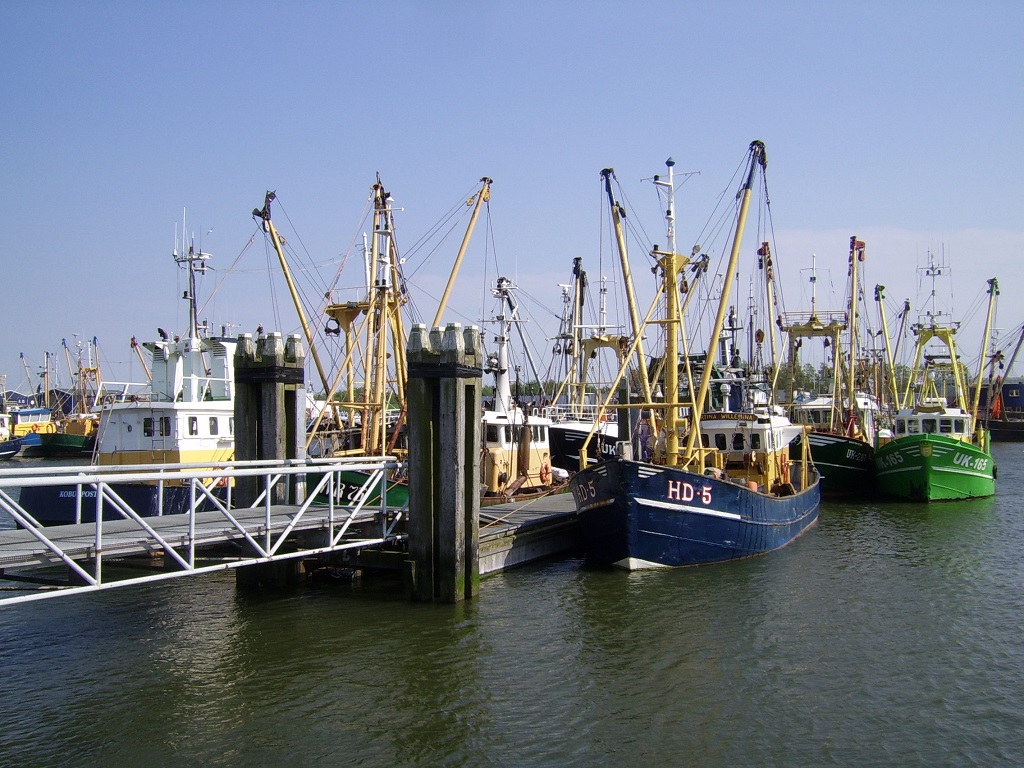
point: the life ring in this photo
(545, 473)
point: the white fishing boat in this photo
(183, 413)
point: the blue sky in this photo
(899, 122)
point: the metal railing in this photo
(264, 530)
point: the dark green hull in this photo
(846, 465)
(55, 445)
(347, 491)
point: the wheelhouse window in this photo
(961, 426)
(913, 427)
(147, 426)
(214, 428)
(193, 425)
(755, 441)
(720, 442)
(928, 426)
(945, 426)
(165, 426)
(737, 441)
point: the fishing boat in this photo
(516, 460)
(76, 432)
(841, 424)
(9, 446)
(183, 413)
(575, 402)
(30, 424)
(719, 485)
(939, 450)
(1002, 396)
(1004, 417)
(583, 432)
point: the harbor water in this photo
(889, 634)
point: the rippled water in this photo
(887, 635)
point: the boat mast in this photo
(757, 159)
(28, 373)
(856, 255)
(993, 292)
(142, 359)
(627, 279)
(263, 216)
(483, 196)
(769, 282)
(383, 321)
(670, 280)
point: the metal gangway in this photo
(341, 503)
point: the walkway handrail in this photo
(131, 473)
(178, 535)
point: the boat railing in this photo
(830, 317)
(110, 392)
(578, 412)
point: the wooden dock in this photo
(521, 532)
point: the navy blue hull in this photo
(638, 515)
(567, 444)
(10, 448)
(55, 505)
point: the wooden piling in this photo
(444, 399)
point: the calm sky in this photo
(899, 122)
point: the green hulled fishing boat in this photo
(938, 451)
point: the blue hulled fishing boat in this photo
(692, 486)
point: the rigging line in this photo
(228, 271)
(275, 309)
(307, 268)
(433, 252)
(302, 289)
(459, 207)
(638, 228)
(780, 299)
(367, 208)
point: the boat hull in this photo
(1006, 430)
(10, 448)
(567, 440)
(55, 445)
(57, 505)
(350, 485)
(636, 515)
(846, 465)
(930, 467)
